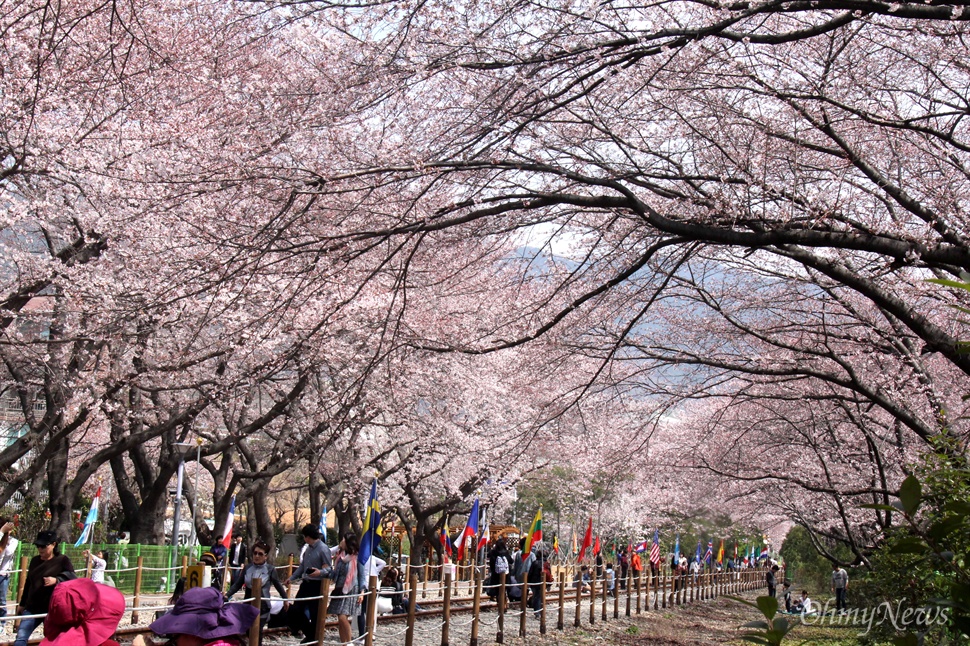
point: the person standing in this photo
(237, 553)
(771, 580)
(45, 571)
(98, 565)
(840, 583)
(314, 567)
(347, 595)
(8, 552)
(259, 569)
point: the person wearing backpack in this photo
(499, 562)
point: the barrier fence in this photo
(464, 590)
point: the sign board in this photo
(198, 576)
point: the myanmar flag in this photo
(535, 534)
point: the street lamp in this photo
(182, 450)
(195, 497)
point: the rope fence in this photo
(506, 600)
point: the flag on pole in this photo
(555, 545)
(227, 529)
(471, 530)
(485, 537)
(764, 552)
(720, 553)
(587, 539)
(446, 548)
(535, 534)
(596, 547)
(323, 523)
(88, 532)
(373, 531)
(642, 546)
(710, 552)
(575, 546)
(655, 549)
(677, 548)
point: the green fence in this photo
(158, 573)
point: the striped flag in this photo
(227, 530)
(370, 539)
(535, 534)
(655, 549)
(483, 541)
(88, 532)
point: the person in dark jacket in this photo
(45, 571)
(258, 568)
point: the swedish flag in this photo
(372, 526)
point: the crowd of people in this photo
(80, 611)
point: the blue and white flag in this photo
(88, 531)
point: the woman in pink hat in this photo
(83, 613)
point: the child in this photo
(786, 590)
(804, 607)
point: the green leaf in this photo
(780, 624)
(955, 284)
(908, 545)
(756, 639)
(744, 601)
(958, 506)
(768, 606)
(762, 625)
(943, 528)
(910, 495)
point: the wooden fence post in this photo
(371, 618)
(663, 589)
(629, 589)
(524, 603)
(542, 609)
(476, 606)
(592, 598)
(289, 573)
(579, 596)
(616, 599)
(137, 600)
(424, 584)
(606, 591)
(412, 606)
(560, 625)
(500, 632)
(322, 604)
(254, 631)
(446, 608)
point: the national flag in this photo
(575, 546)
(720, 553)
(555, 545)
(655, 549)
(764, 552)
(445, 539)
(88, 531)
(227, 529)
(596, 547)
(485, 537)
(471, 530)
(642, 546)
(677, 548)
(697, 554)
(323, 523)
(535, 534)
(371, 537)
(710, 551)
(587, 539)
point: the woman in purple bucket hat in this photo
(200, 618)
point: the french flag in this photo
(471, 530)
